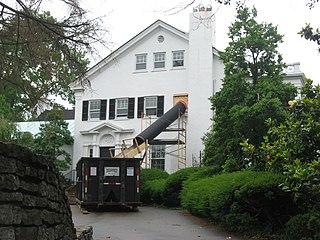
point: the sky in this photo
(124, 19)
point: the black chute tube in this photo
(162, 123)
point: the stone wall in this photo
(33, 205)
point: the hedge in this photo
(173, 186)
(244, 201)
(149, 177)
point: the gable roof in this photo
(157, 24)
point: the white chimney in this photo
(200, 79)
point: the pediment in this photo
(107, 126)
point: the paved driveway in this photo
(149, 223)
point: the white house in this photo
(144, 78)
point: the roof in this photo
(67, 114)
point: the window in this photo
(158, 156)
(94, 109)
(90, 152)
(150, 105)
(122, 107)
(141, 61)
(178, 59)
(159, 60)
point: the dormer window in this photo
(178, 59)
(159, 60)
(141, 61)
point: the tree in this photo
(54, 134)
(292, 148)
(253, 90)
(40, 55)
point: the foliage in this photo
(53, 135)
(41, 55)
(204, 172)
(252, 91)
(152, 191)
(292, 148)
(246, 201)
(304, 226)
(173, 186)
(148, 177)
(311, 34)
(148, 174)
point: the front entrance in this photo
(105, 152)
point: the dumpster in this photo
(108, 182)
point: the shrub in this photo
(241, 201)
(304, 226)
(204, 172)
(153, 191)
(149, 175)
(173, 186)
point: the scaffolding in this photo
(175, 147)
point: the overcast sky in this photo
(126, 18)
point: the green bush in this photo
(153, 191)
(204, 172)
(146, 176)
(173, 186)
(244, 201)
(304, 226)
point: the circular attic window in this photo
(160, 38)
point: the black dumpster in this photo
(108, 182)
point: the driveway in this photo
(149, 223)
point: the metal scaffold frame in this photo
(180, 152)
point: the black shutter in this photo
(160, 106)
(140, 106)
(112, 109)
(85, 108)
(103, 109)
(131, 108)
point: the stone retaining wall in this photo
(33, 205)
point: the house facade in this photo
(143, 79)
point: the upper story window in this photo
(141, 61)
(150, 106)
(94, 109)
(178, 59)
(159, 60)
(122, 107)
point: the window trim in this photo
(155, 107)
(161, 150)
(182, 52)
(116, 108)
(145, 55)
(162, 60)
(94, 111)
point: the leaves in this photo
(53, 135)
(252, 92)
